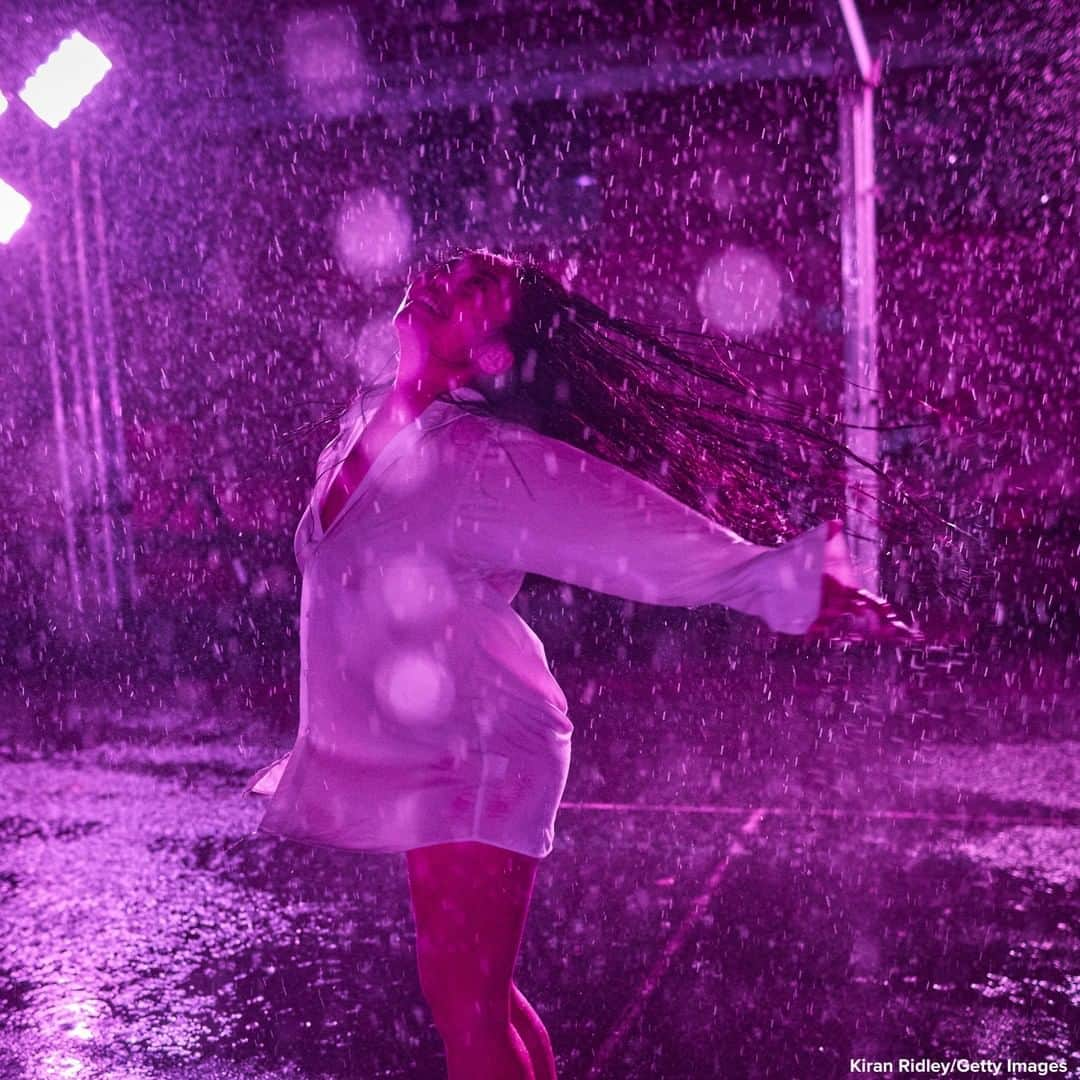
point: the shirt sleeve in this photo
(538, 505)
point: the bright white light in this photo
(3, 104)
(373, 234)
(64, 79)
(740, 291)
(13, 211)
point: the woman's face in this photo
(451, 310)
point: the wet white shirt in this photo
(428, 711)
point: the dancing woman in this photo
(525, 430)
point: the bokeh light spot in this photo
(740, 291)
(414, 687)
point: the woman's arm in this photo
(539, 505)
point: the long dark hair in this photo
(668, 405)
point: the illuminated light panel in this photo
(14, 209)
(55, 90)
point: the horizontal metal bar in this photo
(573, 75)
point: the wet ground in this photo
(813, 857)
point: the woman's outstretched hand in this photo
(851, 614)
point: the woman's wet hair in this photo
(669, 405)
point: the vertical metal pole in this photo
(100, 454)
(858, 253)
(67, 502)
(121, 505)
(79, 443)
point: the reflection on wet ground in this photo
(908, 887)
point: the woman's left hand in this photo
(851, 614)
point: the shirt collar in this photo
(434, 412)
(467, 393)
(440, 409)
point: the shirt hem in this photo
(379, 849)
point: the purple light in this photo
(14, 209)
(373, 233)
(64, 79)
(741, 291)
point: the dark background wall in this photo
(225, 160)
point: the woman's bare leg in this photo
(470, 901)
(533, 1034)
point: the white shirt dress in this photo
(428, 711)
